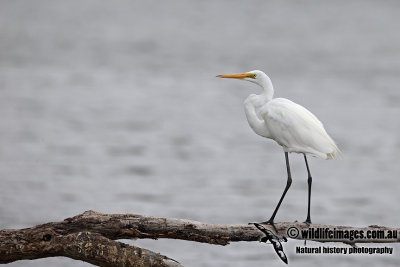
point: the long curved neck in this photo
(268, 88)
(254, 103)
(252, 108)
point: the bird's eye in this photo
(254, 76)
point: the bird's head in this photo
(254, 76)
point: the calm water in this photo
(115, 107)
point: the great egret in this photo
(292, 126)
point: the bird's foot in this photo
(308, 222)
(270, 222)
(269, 235)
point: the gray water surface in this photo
(114, 106)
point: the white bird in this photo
(292, 126)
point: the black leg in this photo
(308, 220)
(289, 182)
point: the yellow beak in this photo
(238, 76)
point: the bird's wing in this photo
(297, 129)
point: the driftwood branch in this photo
(90, 237)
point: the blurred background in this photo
(114, 106)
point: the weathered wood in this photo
(85, 246)
(89, 237)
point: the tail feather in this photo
(335, 154)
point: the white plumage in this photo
(296, 129)
(292, 126)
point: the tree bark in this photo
(90, 237)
